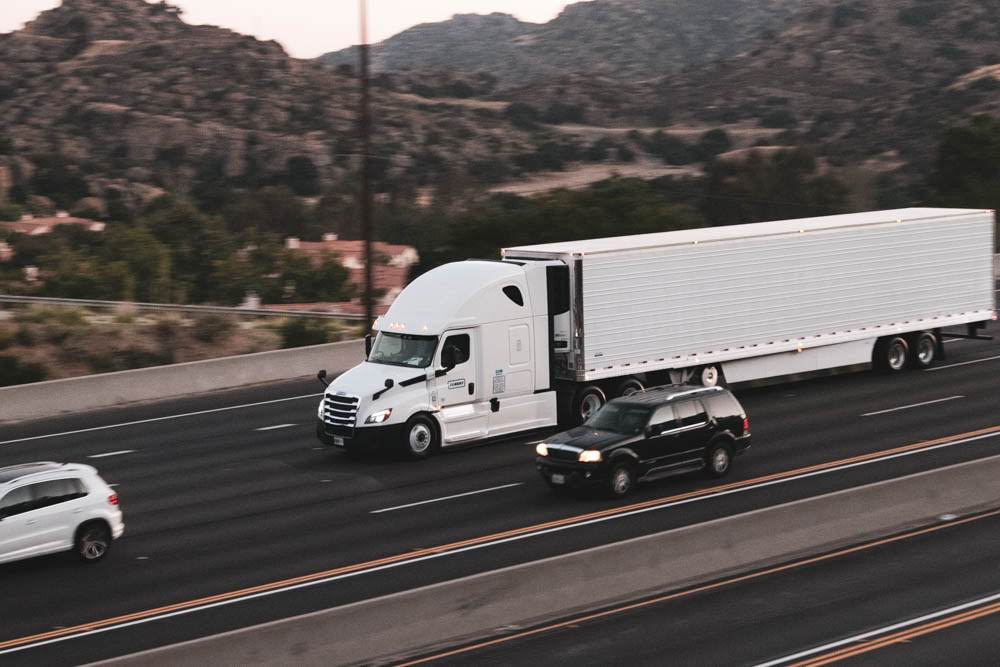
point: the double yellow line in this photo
(277, 586)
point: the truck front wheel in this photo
(420, 437)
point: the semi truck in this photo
(547, 334)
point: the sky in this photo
(308, 28)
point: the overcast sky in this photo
(308, 28)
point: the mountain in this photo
(624, 39)
(131, 97)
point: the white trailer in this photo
(501, 347)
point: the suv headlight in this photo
(590, 456)
(542, 449)
(378, 417)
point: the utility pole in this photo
(365, 129)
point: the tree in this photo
(303, 177)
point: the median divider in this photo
(421, 620)
(46, 399)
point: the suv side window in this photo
(17, 501)
(690, 412)
(663, 419)
(58, 491)
(724, 404)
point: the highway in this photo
(236, 515)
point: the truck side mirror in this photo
(321, 376)
(368, 345)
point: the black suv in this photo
(654, 433)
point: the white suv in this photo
(50, 507)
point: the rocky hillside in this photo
(134, 98)
(624, 39)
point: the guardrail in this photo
(46, 399)
(394, 627)
(220, 310)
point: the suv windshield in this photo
(403, 350)
(620, 418)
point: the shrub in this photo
(14, 371)
(779, 118)
(211, 327)
(302, 331)
(522, 115)
(714, 142)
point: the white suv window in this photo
(57, 491)
(17, 501)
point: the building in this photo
(389, 273)
(39, 226)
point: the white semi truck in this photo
(484, 348)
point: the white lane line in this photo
(881, 631)
(956, 340)
(482, 545)
(457, 495)
(915, 405)
(941, 368)
(106, 455)
(158, 419)
(273, 428)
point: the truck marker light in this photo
(590, 456)
(542, 449)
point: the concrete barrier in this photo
(404, 624)
(45, 399)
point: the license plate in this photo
(558, 478)
(338, 441)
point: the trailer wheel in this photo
(892, 354)
(924, 346)
(629, 386)
(711, 376)
(589, 399)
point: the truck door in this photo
(457, 391)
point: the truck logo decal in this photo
(456, 384)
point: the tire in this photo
(420, 437)
(711, 376)
(92, 541)
(589, 399)
(924, 347)
(719, 461)
(629, 386)
(892, 354)
(621, 481)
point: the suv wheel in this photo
(719, 460)
(622, 480)
(92, 541)
(420, 438)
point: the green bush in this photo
(211, 328)
(779, 118)
(14, 371)
(303, 331)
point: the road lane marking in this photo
(632, 606)
(962, 363)
(158, 419)
(118, 453)
(914, 405)
(273, 428)
(438, 500)
(483, 541)
(892, 639)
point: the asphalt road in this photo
(231, 492)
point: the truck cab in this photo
(462, 354)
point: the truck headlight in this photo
(378, 417)
(542, 449)
(590, 456)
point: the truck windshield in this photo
(403, 350)
(619, 418)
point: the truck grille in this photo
(340, 411)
